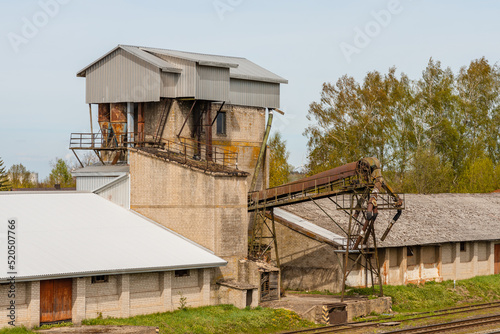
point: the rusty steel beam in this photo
(187, 118)
(119, 121)
(208, 131)
(218, 112)
(305, 184)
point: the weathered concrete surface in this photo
(310, 306)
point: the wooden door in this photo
(497, 259)
(55, 300)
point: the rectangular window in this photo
(221, 123)
(182, 273)
(100, 279)
(409, 251)
(462, 246)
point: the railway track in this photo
(416, 316)
(451, 326)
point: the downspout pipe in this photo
(130, 127)
(262, 150)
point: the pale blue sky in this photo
(42, 101)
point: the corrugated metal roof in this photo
(81, 234)
(100, 170)
(158, 62)
(240, 68)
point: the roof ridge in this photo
(194, 53)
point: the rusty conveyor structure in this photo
(357, 188)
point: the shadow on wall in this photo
(318, 269)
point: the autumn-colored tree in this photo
(279, 168)
(4, 180)
(20, 177)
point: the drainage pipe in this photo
(262, 150)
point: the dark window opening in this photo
(409, 251)
(100, 279)
(221, 123)
(462, 246)
(181, 273)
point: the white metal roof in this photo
(82, 234)
(100, 170)
(310, 227)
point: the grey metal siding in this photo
(212, 83)
(254, 93)
(90, 183)
(122, 77)
(187, 78)
(118, 193)
(168, 84)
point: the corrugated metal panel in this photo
(186, 83)
(100, 170)
(157, 62)
(245, 70)
(91, 183)
(254, 93)
(169, 84)
(80, 234)
(122, 77)
(212, 83)
(117, 191)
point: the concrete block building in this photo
(79, 255)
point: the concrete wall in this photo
(206, 208)
(306, 264)
(122, 296)
(27, 304)
(245, 127)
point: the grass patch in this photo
(433, 296)
(201, 320)
(214, 319)
(15, 330)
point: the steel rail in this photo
(361, 324)
(451, 325)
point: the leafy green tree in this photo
(479, 176)
(451, 122)
(4, 180)
(60, 174)
(279, 168)
(20, 176)
(428, 174)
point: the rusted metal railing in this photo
(183, 148)
(208, 154)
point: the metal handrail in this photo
(187, 148)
